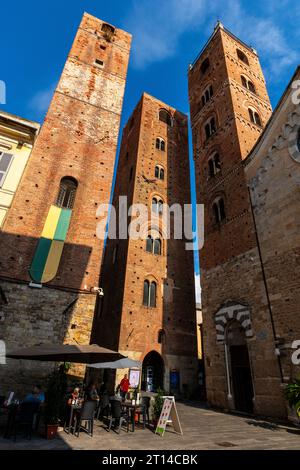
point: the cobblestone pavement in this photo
(202, 429)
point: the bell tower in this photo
(230, 107)
(50, 255)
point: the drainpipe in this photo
(266, 286)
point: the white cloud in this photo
(41, 100)
(198, 288)
(158, 25)
(263, 34)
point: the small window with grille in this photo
(67, 193)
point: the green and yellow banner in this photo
(49, 250)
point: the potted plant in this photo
(54, 406)
(157, 406)
(292, 395)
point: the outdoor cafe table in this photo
(132, 409)
(77, 406)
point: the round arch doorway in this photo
(239, 366)
(152, 372)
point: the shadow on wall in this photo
(178, 336)
(56, 313)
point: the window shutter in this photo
(5, 161)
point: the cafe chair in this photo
(87, 414)
(103, 407)
(118, 415)
(24, 418)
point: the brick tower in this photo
(50, 256)
(229, 107)
(148, 312)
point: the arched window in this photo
(157, 246)
(154, 205)
(160, 144)
(165, 117)
(160, 206)
(67, 192)
(153, 245)
(205, 65)
(298, 140)
(210, 127)
(207, 95)
(159, 172)
(248, 84)
(254, 117)
(214, 164)
(242, 56)
(157, 205)
(211, 167)
(161, 335)
(149, 244)
(251, 87)
(108, 31)
(219, 210)
(149, 294)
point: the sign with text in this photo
(168, 414)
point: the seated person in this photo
(37, 395)
(91, 393)
(74, 396)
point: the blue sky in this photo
(167, 35)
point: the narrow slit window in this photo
(99, 62)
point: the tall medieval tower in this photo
(148, 311)
(229, 108)
(50, 256)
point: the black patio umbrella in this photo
(79, 353)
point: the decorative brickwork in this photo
(242, 370)
(169, 328)
(78, 140)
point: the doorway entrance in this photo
(240, 369)
(152, 372)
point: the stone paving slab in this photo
(203, 429)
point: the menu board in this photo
(168, 414)
(134, 378)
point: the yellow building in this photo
(17, 136)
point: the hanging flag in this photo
(49, 250)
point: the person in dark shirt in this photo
(92, 393)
